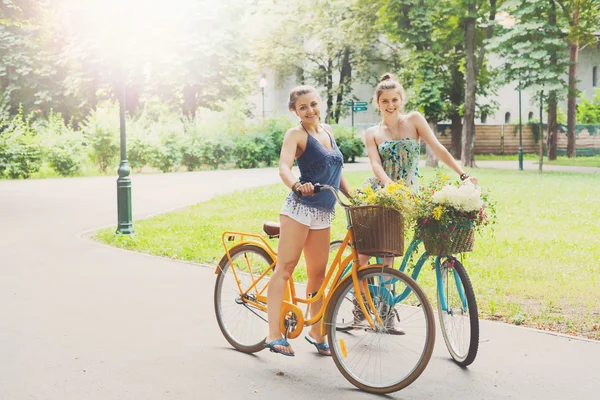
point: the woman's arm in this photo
(286, 162)
(374, 158)
(286, 159)
(438, 149)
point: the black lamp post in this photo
(124, 181)
(263, 84)
(520, 133)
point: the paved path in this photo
(80, 320)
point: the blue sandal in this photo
(321, 347)
(278, 342)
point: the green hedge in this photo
(157, 138)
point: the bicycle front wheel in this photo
(243, 324)
(394, 351)
(458, 312)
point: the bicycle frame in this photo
(339, 265)
(438, 273)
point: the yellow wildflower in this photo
(437, 212)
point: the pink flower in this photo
(426, 220)
(452, 228)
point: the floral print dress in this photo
(400, 160)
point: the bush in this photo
(101, 129)
(350, 146)
(20, 148)
(140, 151)
(269, 138)
(167, 156)
(216, 151)
(140, 143)
(588, 111)
(63, 146)
(246, 151)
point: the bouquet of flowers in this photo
(449, 214)
(379, 218)
(395, 195)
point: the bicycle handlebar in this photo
(318, 187)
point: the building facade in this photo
(588, 73)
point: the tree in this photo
(419, 26)
(324, 43)
(583, 18)
(473, 65)
(529, 49)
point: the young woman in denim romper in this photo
(305, 221)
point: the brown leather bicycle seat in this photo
(271, 228)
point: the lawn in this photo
(592, 161)
(537, 267)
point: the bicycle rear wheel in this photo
(243, 324)
(459, 320)
(391, 354)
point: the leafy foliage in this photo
(526, 49)
(350, 146)
(101, 129)
(20, 147)
(588, 111)
(325, 43)
(63, 147)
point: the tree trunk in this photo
(552, 125)
(572, 99)
(456, 98)
(190, 102)
(572, 94)
(345, 75)
(300, 76)
(132, 99)
(552, 128)
(541, 163)
(468, 129)
(329, 85)
(430, 159)
(456, 133)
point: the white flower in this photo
(465, 198)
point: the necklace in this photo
(398, 127)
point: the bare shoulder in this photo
(415, 116)
(371, 132)
(327, 127)
(294, 133)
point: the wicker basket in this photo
(446, 240)
(378, 231)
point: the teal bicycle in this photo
(457, 307)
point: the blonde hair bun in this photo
(387, 77)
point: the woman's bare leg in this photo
(316, 254)
(292, 236)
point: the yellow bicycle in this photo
(380, 340)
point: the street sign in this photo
(359, 109)
(357, 104)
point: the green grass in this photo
(593, 161)
(538, 267)
(505, 157)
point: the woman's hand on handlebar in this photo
(305, 189)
